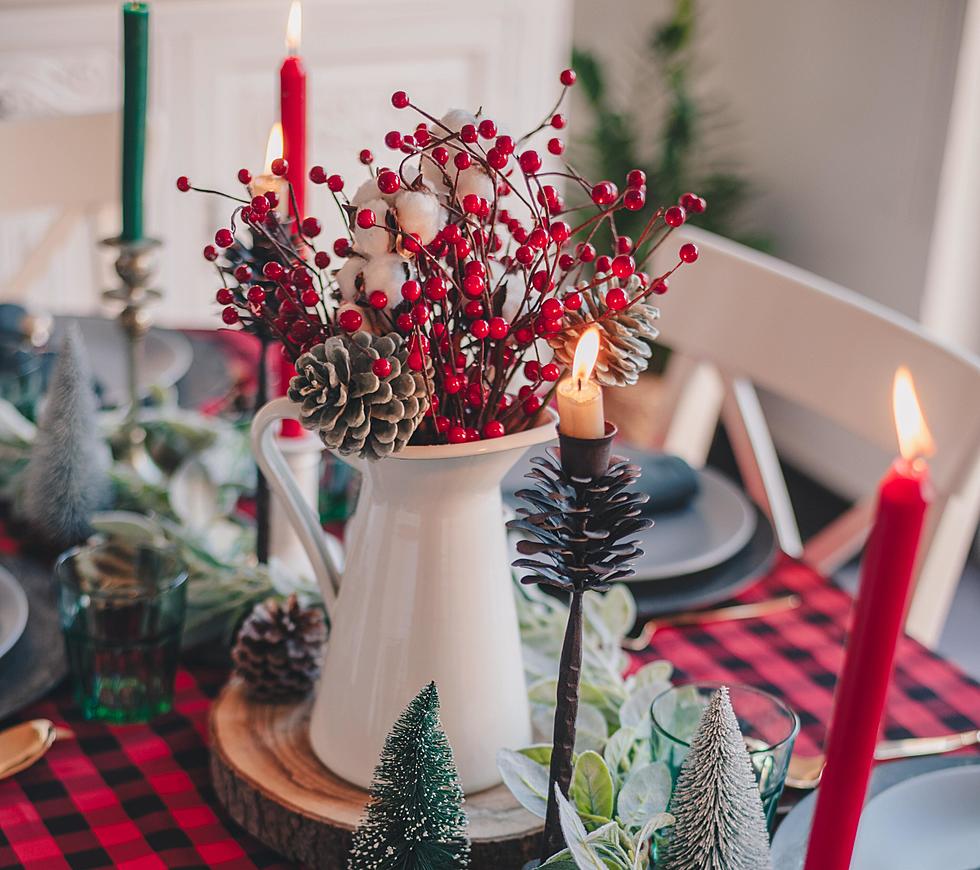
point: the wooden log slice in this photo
(270, 782)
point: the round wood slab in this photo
(270, 782)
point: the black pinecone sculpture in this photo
(577, 526)
(278, 649)
(352, 408)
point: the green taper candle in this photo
(136, 43)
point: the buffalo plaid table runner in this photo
(139, 796)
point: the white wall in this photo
(838, 112)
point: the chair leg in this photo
(840, 540)
(949, 535)
(695, 416)
(758, 464)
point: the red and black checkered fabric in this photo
(139, 796)
(797, 654)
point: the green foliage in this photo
(415, 819)
(676, 157)
(182, 490)
(618, 797)
(609, 847)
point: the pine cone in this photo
(624, 353)
(354, 410)
(278, 649)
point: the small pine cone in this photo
(354, 410)
(278, 649)
(624, 352)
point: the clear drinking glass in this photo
(122, 612)
(767, 724)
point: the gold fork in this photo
(701, 617)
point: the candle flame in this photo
(273, 150)
(914, 438)
(586, 353)
(294, 27)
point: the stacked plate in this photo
(922, 814)
(32, 656)
(13, 611)
(696, 555)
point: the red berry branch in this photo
(464, 246)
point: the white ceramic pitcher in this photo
(426, 595)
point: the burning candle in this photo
(266, 181)
(886, 574)
(580, 397)
(263, 183)
(292, 106)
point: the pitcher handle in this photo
(301, 515)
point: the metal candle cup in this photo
(586, 458)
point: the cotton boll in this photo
(474, 180)
(346, 278)
(432, 173)
(365, 193)
(514, 295)
(387, 272)
(455, 120)
(374, 240)
(369, 191)
(419, 212)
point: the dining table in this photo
(141, 795)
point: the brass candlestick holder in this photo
(135, 266)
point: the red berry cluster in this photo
(476, 291)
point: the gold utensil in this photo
(805, 770)
(719, 614)
(22, 745)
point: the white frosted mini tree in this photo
(67, 475)
(720, 823)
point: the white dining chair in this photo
(739, 321)
(66, 165)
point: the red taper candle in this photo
(292, 107)
(886, 575)
(292, 113)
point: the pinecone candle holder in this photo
(278, 649)
(576, 525)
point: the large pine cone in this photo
(624, 352)
(353, 410)
(278, 649)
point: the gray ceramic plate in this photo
(13, 611)
(167, 356)
(37, 662)
(710, 530)
(921, 813)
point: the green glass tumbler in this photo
(767, 724)
(122, 612)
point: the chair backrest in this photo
(70, 167)
(760, 322)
